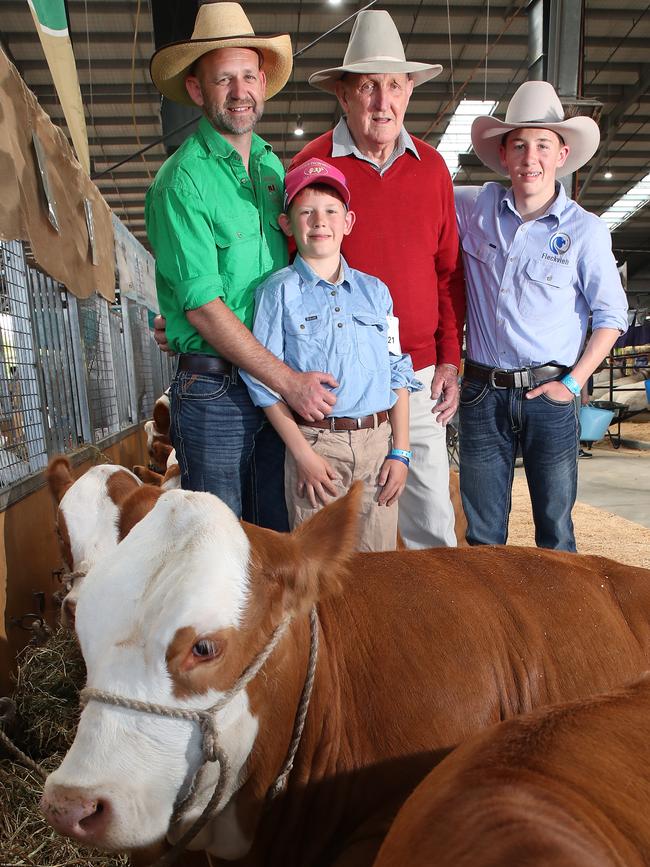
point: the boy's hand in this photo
(315, 478)
(392, 480)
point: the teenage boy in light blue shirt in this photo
(321, 314)
(536, 266)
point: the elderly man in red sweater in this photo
(406, 235)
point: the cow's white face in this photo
(173, 590)
(87, 521)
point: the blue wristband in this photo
(401, 453)
(571, 384)
(405, 461)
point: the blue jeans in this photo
(225, 446)
(494, 424)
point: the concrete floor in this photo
(618, 481)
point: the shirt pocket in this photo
(478, 248)
(237, 243)
(546, 290)
(371, 336)
(305, 339)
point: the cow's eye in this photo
(205, 649)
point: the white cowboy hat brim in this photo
(171, 64)
(581, 134)
(326, 79)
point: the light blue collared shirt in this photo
(343, 146)
(531, 285)
(338, 328)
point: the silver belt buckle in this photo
(492, 380)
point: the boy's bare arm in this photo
(393, 474)
(315, 475)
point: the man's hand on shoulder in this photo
(160, 335)
(445, 387)
(310, 395)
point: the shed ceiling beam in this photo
(614, 120)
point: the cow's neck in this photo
(300, 824)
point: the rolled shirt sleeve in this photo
(600, 282)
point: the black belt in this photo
(190, 363)
(525, 377)
(345, 422)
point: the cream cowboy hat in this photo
(219, 25)
(374, 46)
(536, 104)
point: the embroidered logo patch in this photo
(315, 170)
(559, 243)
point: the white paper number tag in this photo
(393, 335)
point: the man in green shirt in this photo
(211, 217)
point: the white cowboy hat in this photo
(219, 25)
(536, 104)
(374, 46)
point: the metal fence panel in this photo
(100, 376)
(23, 448)
(53, 331)
(142, 358)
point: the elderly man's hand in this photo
(309, 394)
(160, 335)
(445, 387)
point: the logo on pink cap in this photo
(314, 171)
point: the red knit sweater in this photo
(406, 235)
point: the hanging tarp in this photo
(47, 199)
(52, 27)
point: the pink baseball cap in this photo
(314, 171)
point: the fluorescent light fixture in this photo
(628, 204)
(457, 137)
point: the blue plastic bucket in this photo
(594, 423)
(647, 390)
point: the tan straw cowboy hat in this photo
(219, 25)
(374, 46)
(536, 104)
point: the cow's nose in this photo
(74, 813)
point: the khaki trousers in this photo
(354, 455)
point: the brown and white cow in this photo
(567, 786)
(88, 510)
(419, 651)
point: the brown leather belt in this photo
(345, 423)
(191, 363)
(525, 377)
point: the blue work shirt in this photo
(338, 328)
(531, 285)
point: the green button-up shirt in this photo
(214, 230)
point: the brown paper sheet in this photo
(66, 255)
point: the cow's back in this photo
(564, 786)
(423, 649)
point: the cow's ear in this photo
(59, 478)
(134, 507)
(313, 561)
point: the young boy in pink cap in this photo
(320, 314)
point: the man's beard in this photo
(223, 121)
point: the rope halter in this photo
(211, 749)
